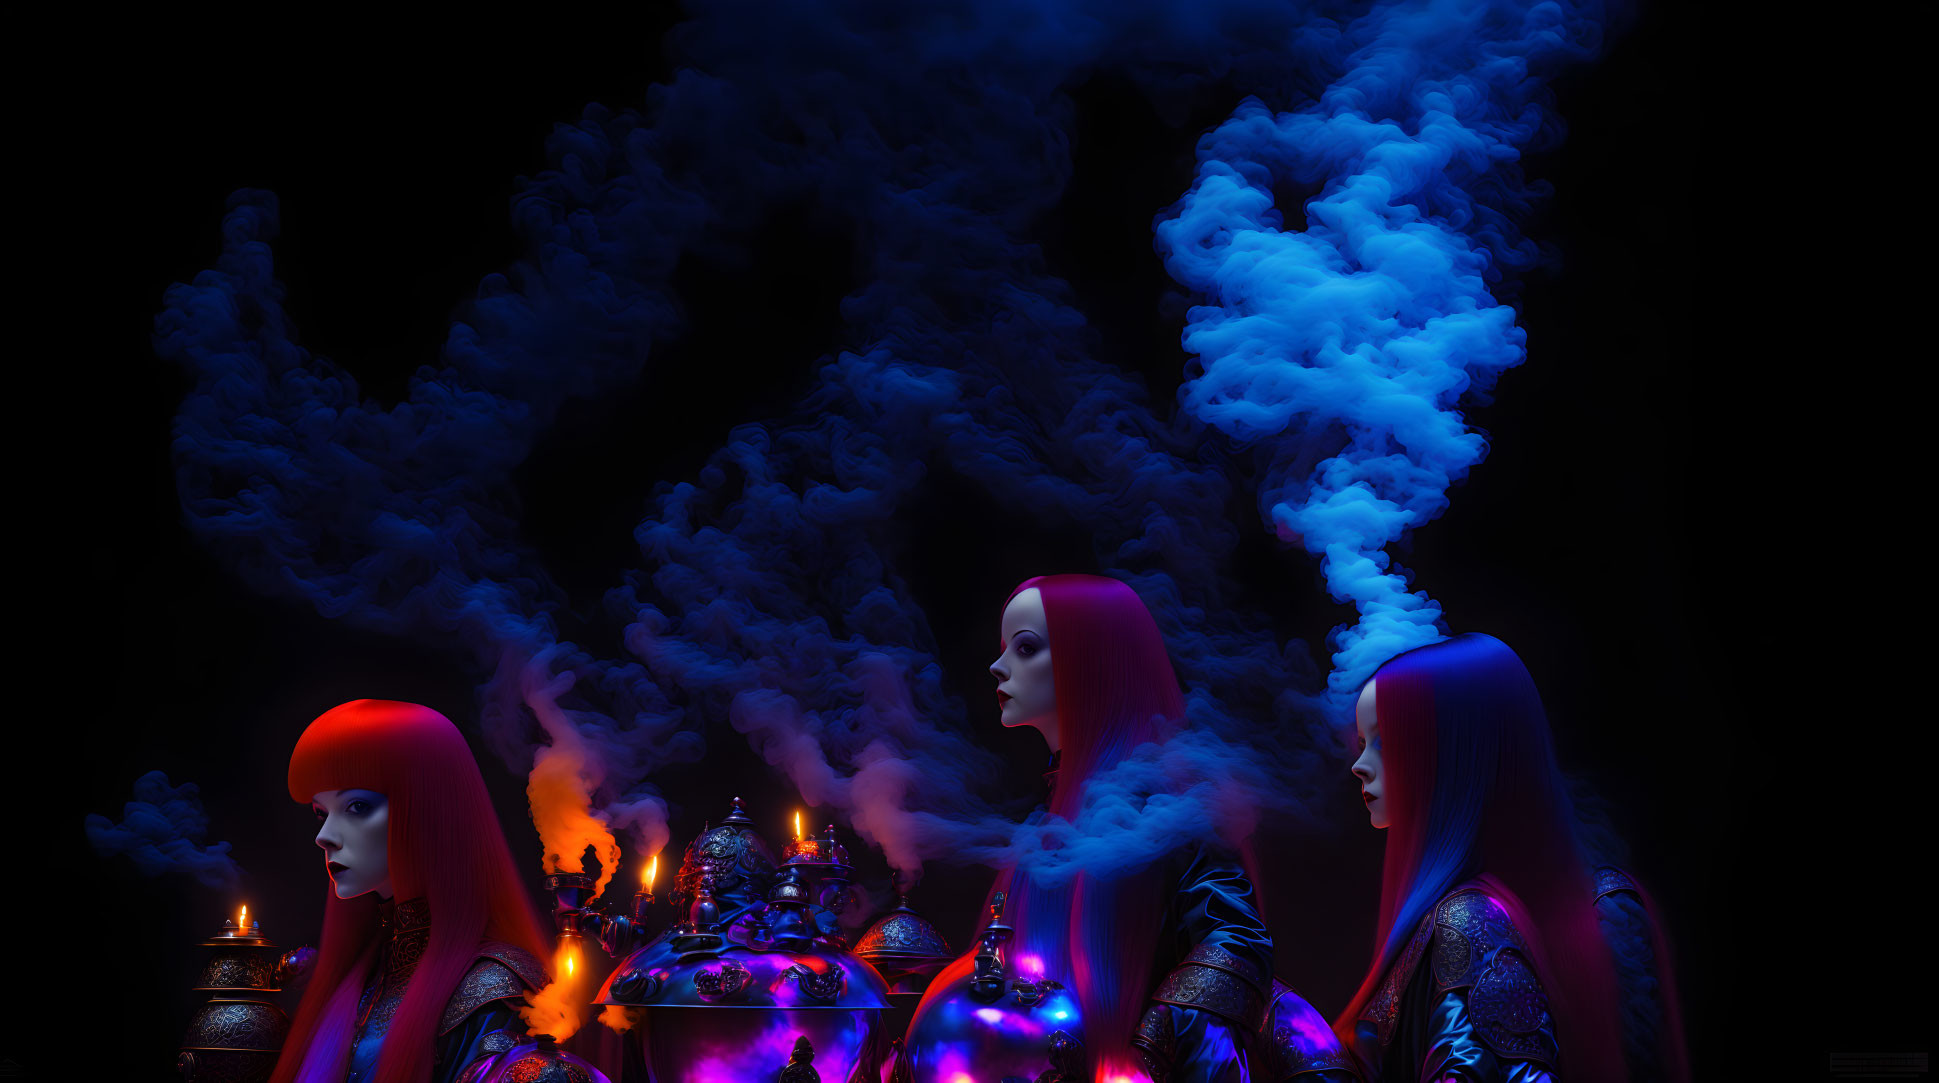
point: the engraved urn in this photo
(237, 1035)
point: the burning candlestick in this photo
(803, 848)
(643, 898)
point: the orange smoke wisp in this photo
(557, 1009)
(620, 1019)
(562, 811)
(564, 775)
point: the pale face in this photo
(353, 827)
(1367, 767)
(1026, 689)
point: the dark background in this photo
(1605, 537)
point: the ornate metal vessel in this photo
(906, 949)
(988, 1025)
(756, 984)
(237, 1035)
(537, 1061)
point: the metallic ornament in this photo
(906, 948)
(754, 985)
(985, 1024)
(740, 860)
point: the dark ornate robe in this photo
(1218, 1016)
(1461, 1003)
(479, 1020)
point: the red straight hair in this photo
(1115, 691)
(1473, 793)
(445, 847)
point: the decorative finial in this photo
(705, 914)
(801, 1064)
(788, 889)
(987, 983)
(739, 814)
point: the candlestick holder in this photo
(570, 912)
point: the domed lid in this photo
(903, 936)
(540, 1060)
(741, 862)
(736, 976)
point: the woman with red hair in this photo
(1171, 965)
(429, 941)
(1491, 961)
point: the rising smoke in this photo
(1354, 339)
(161, 831)
(768, 595)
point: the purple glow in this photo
(742, 1052)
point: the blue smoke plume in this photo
(161, 831)
(1345, 348)
(768, 594)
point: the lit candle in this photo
(242, 923)
(643, 898)
(797, 827)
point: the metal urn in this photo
(987, 1023)
(756, 984)
(906, 949)
(538, 1060)
(237, 1036)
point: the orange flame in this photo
(651, 874)
(797, 825)
(243, 921)
(558, 1008)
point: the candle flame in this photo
(243, 921)
(652, 872)
(797, 825)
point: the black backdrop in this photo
(1599, 538)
